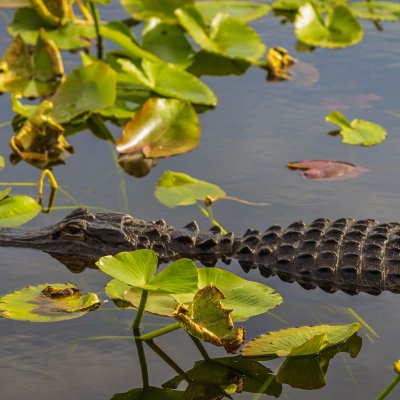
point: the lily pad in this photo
(340, 29)
(301, 341)
(75, 35)
(17, 210)
(170, 81)
(41, 139)
(209, 320)
(227, 36)
(246, 298)
(47, 303)
(84, 92)
(325, 170)
(358, 131)
(167, 42)
(179, 189)
(244, 11)
(31, 76)
(137, 269)
(144, 9)
(376, 10)
(162, 128)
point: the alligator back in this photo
(353, 256)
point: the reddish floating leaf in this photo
(357, 102)
(325, 170)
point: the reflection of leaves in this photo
(376, 10)
(136, 164)
(47, 303)
(341, 28)
(31, 76)
(310, 372)
(358, 131)
(209, 320)
(327, 169)
(41, 140)
(221, 372)
(28, 23)
(16, 210)
(162, 128)
(301, 341)
(148, 393)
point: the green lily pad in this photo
(167, 42)
(209, 320)
(358, 131)
(244, 11)
(84, 92)
(31, 76)
(170, 81)
(293, 5)
(162, 128)
(178, 189)
(27, 23)
(41, 139)
(246, 298)
(144, 9)
(47, 303)
(340, 29)
(301, 341)
(227, 36)
(17, 210)
(376, 10)
(137, 269)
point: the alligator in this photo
(348, 255)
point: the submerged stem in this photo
(200, 347)
(140, 311)
(97, 24)
(168, 360)
(142, 358)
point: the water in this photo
(246, 142)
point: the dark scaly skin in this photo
(348, 255)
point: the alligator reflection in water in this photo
(353, 256)
(216, 378)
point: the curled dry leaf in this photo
(327, 169)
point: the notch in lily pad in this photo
(137, 269)
(358, 131)
(47, 303)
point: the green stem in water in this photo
(140, 311)
(168, 360)
(142, 358)
(159, 332)
(97, 25)
(389, 388)
(200, 347)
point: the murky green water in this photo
(246, 142)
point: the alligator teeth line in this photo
(348, 255)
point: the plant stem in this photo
(389, 388)
(200, 347)
(159, 332)
(168, 360)
(263, 387)
(97, 24)
(142, 358)
(140, 311)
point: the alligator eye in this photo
(75, 229)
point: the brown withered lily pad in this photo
(209, 320)
(327, 169)
(41, 140)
